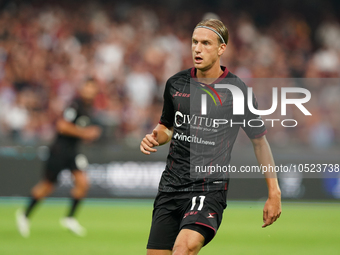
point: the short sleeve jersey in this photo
(202, 138)
(78, 113)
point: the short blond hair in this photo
(218, 26)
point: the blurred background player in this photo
(75, 125)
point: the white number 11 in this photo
(193, 203)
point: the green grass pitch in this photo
(121, 227)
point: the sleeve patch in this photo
(70, 114)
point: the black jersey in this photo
(202, 140)
(78, 113)
(63, 152)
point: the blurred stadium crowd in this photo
(48, 49)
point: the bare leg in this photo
(39, 191)
(43, 189)
(158, 252)
(188, 242)
(79, 191)
(81, 184)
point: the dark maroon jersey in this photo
(203, 140)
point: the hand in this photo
(148, 142)
(271, 210)
(92, 133)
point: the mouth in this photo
(198, 60)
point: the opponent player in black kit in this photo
(188, 208)
(75, 125)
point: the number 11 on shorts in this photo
(193, 203)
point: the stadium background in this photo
(48, 47)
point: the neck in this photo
(214, 72)
(87, 101)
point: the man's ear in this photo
(221, 49)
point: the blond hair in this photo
(218, 26)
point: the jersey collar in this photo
(223, 75)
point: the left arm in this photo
(272, 208)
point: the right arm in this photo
(159, 136)
(164, 130)
(89, 133)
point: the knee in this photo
(85, 184)
(186, 248)
(49, 187)
(81, 182)
(42, 190)
(82, 187)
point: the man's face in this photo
(89, 91)
(206, 48)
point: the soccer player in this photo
(188, 209)
(75, 125)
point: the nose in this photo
(198, 48)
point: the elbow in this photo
(259, 142)
(61, 126)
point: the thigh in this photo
(80, 177)
(54, 165)
(204, 213)
(42, 189)
(158, 252)
(60, 158)
(165, 223)
(77, 162)
(188, 242)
